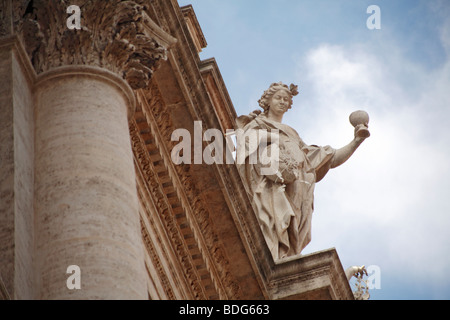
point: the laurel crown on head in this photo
(264, 102)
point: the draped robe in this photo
(284, 210)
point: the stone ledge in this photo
(316, 276)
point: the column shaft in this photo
(86, 200)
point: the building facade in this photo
(87, 178)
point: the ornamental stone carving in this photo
(115, 35)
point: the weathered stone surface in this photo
(316, 276)
(6, 25)
(86, 201)
(16, 171)
(82, 186)
(116, 35)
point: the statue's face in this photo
(280, 102)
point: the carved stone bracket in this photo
(116, 35)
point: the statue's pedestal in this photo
(316, 276)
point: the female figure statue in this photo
(283, 200)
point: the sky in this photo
(388, 206)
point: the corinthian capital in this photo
(116, 35)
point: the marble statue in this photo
(355, 271)
(283, 201)
(361, 285)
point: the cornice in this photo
(6, 25)
(197, 218)
(165, 212)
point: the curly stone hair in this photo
(264, 102)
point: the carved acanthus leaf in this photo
(114, 35)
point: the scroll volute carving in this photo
(116, 35)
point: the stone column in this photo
(86, 200)
(85, 197)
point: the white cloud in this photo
(388, 204)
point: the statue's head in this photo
(266, 98)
